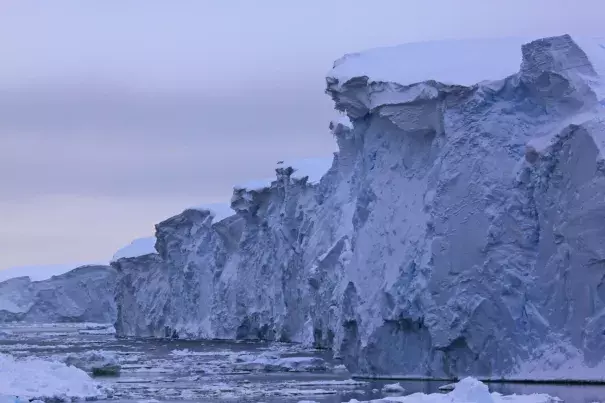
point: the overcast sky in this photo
(117, 114)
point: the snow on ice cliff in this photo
(457, 231)
(85, 294)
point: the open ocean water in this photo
(213, 371)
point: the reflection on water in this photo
(212, 371)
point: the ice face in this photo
(456, 231)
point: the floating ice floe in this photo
(31, 379)
(274, 363)
(189, 353)
(97, 362)
(468, 390)
(393, 388)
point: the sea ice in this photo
(468, 390)
(46, 380)
(274, 363)
(393, 388)
(98, 362)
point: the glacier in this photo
(84, 294)
(456, 231)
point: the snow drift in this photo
(85, 294)
(458, 229)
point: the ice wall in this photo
(458, 230)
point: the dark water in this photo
(206, 371)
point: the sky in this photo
(116, 114)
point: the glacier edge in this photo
(456, 232)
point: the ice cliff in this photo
(85, 294)
(458, 230)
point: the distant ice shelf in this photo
(42, 272)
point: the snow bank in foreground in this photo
(46, 380)
(138, 247)
(468, 390)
